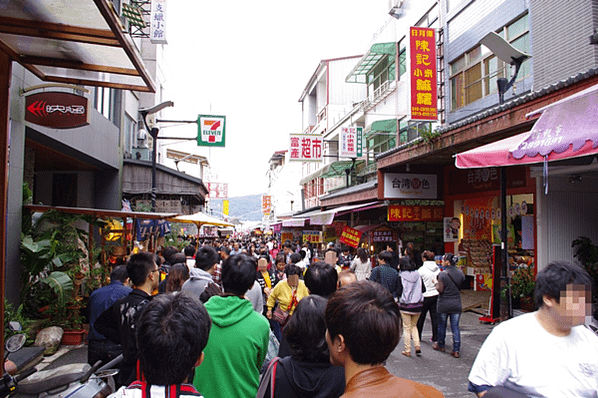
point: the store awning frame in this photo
(79, 42)
(388, 127)
(326, 217)
(376, 52)
(334, 169)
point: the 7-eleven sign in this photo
(211, 130)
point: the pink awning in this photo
(566, 129)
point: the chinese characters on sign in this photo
(423, 74)
(266, 204)
(57, 110)
(415, 213)
(217, 190)
(350, 236)
(351, 142)
(312, 236)
(382, 236)
(211, 130)
(158, 22)
(410, 186)
(306, 147)
(225, 207)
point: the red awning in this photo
(566, 129)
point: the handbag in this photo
(268, 380)
(281, 316)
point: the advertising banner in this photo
(382, 236)
(211, 130)
(312, 236)
(57, 110)
(217, 190)
(415, 213)
(225, 207)
(350, 142)
(424, 95)
(410, 186)
(350, 236)
(158, 22)
(306, 148)
(266, 204)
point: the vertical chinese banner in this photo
(158, 22)
(225, 207)
(348, 142)
(424, 96)
(266, 204)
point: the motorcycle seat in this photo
(46, 380)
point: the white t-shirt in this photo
(521, 355)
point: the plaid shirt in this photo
(217, 276)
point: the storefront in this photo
(471, 226)
(420, 222)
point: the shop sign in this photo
(225, 207)
(484, 179)
(277, 228)
(211, 130)
(312, 236)
(382, 236)
(305, 148)
(158, 22)
(286, 236)
(415, 213)
(57, 110)
(351, 142)
(217, 190)
(266, 204)
(350, 236)
(410, 186)
(424, 94)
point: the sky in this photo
(250, 61)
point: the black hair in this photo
(280, 258)
(206, 257)
(189, 250)
(302, 254)
(119, 273)
(406, 263)
(362, 254)
(451, 258)
(225, 250)
(306, 331)
(178, 258)
(177, 275)
(139, 266)
(385, 256)
(168, 252)
(368, 318)
(238, 274)
(555, 277)
(428, 255)
(295, 258)
(172, 332)
(292, 269)
(321, 279)
(157, 260)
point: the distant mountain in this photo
(246, 208)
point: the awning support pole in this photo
(504, 280)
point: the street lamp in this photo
(154, 133)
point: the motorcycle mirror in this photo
(14, 343)
(15, 326)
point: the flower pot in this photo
(527, 303)
(73, 337)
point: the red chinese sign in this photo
(424, 96)
(415, 213)
(266, 204)
(350, 236)
(218, 190)
(306, 147)
(57, 110)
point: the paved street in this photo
(439, 369)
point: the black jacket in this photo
(117, 323)
(296, 379)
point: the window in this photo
(103, 101)
(402, 57)
(474, 74)
(380, 142)
(385, 70)
(130, 132)
(408, 131)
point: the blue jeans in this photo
(442, 321)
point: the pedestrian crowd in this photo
(250, 318)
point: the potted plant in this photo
(523, 284)
(587, 255)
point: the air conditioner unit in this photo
(395, 8)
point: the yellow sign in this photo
(225, 207)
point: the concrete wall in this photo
(561, 31)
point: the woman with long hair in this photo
(177, 275)
(361, 265)
(429, 271)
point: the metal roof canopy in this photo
(101, 212)
(369, 60)
(334, 169)
(81, 42)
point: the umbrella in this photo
(201, 219)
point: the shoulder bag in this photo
(282, 316)
(268, 379)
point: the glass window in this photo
(473, 83)
(493, 68)
(402, 58)
(517, 28)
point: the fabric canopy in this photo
(566, 129)
(201, 219)
(326, 217)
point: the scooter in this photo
(79, 380)
(9, 383)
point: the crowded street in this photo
(323, 199)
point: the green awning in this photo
(383, 126)
(333, 169)
(369, 60)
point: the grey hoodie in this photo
(197, 282)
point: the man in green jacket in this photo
(238, 339)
